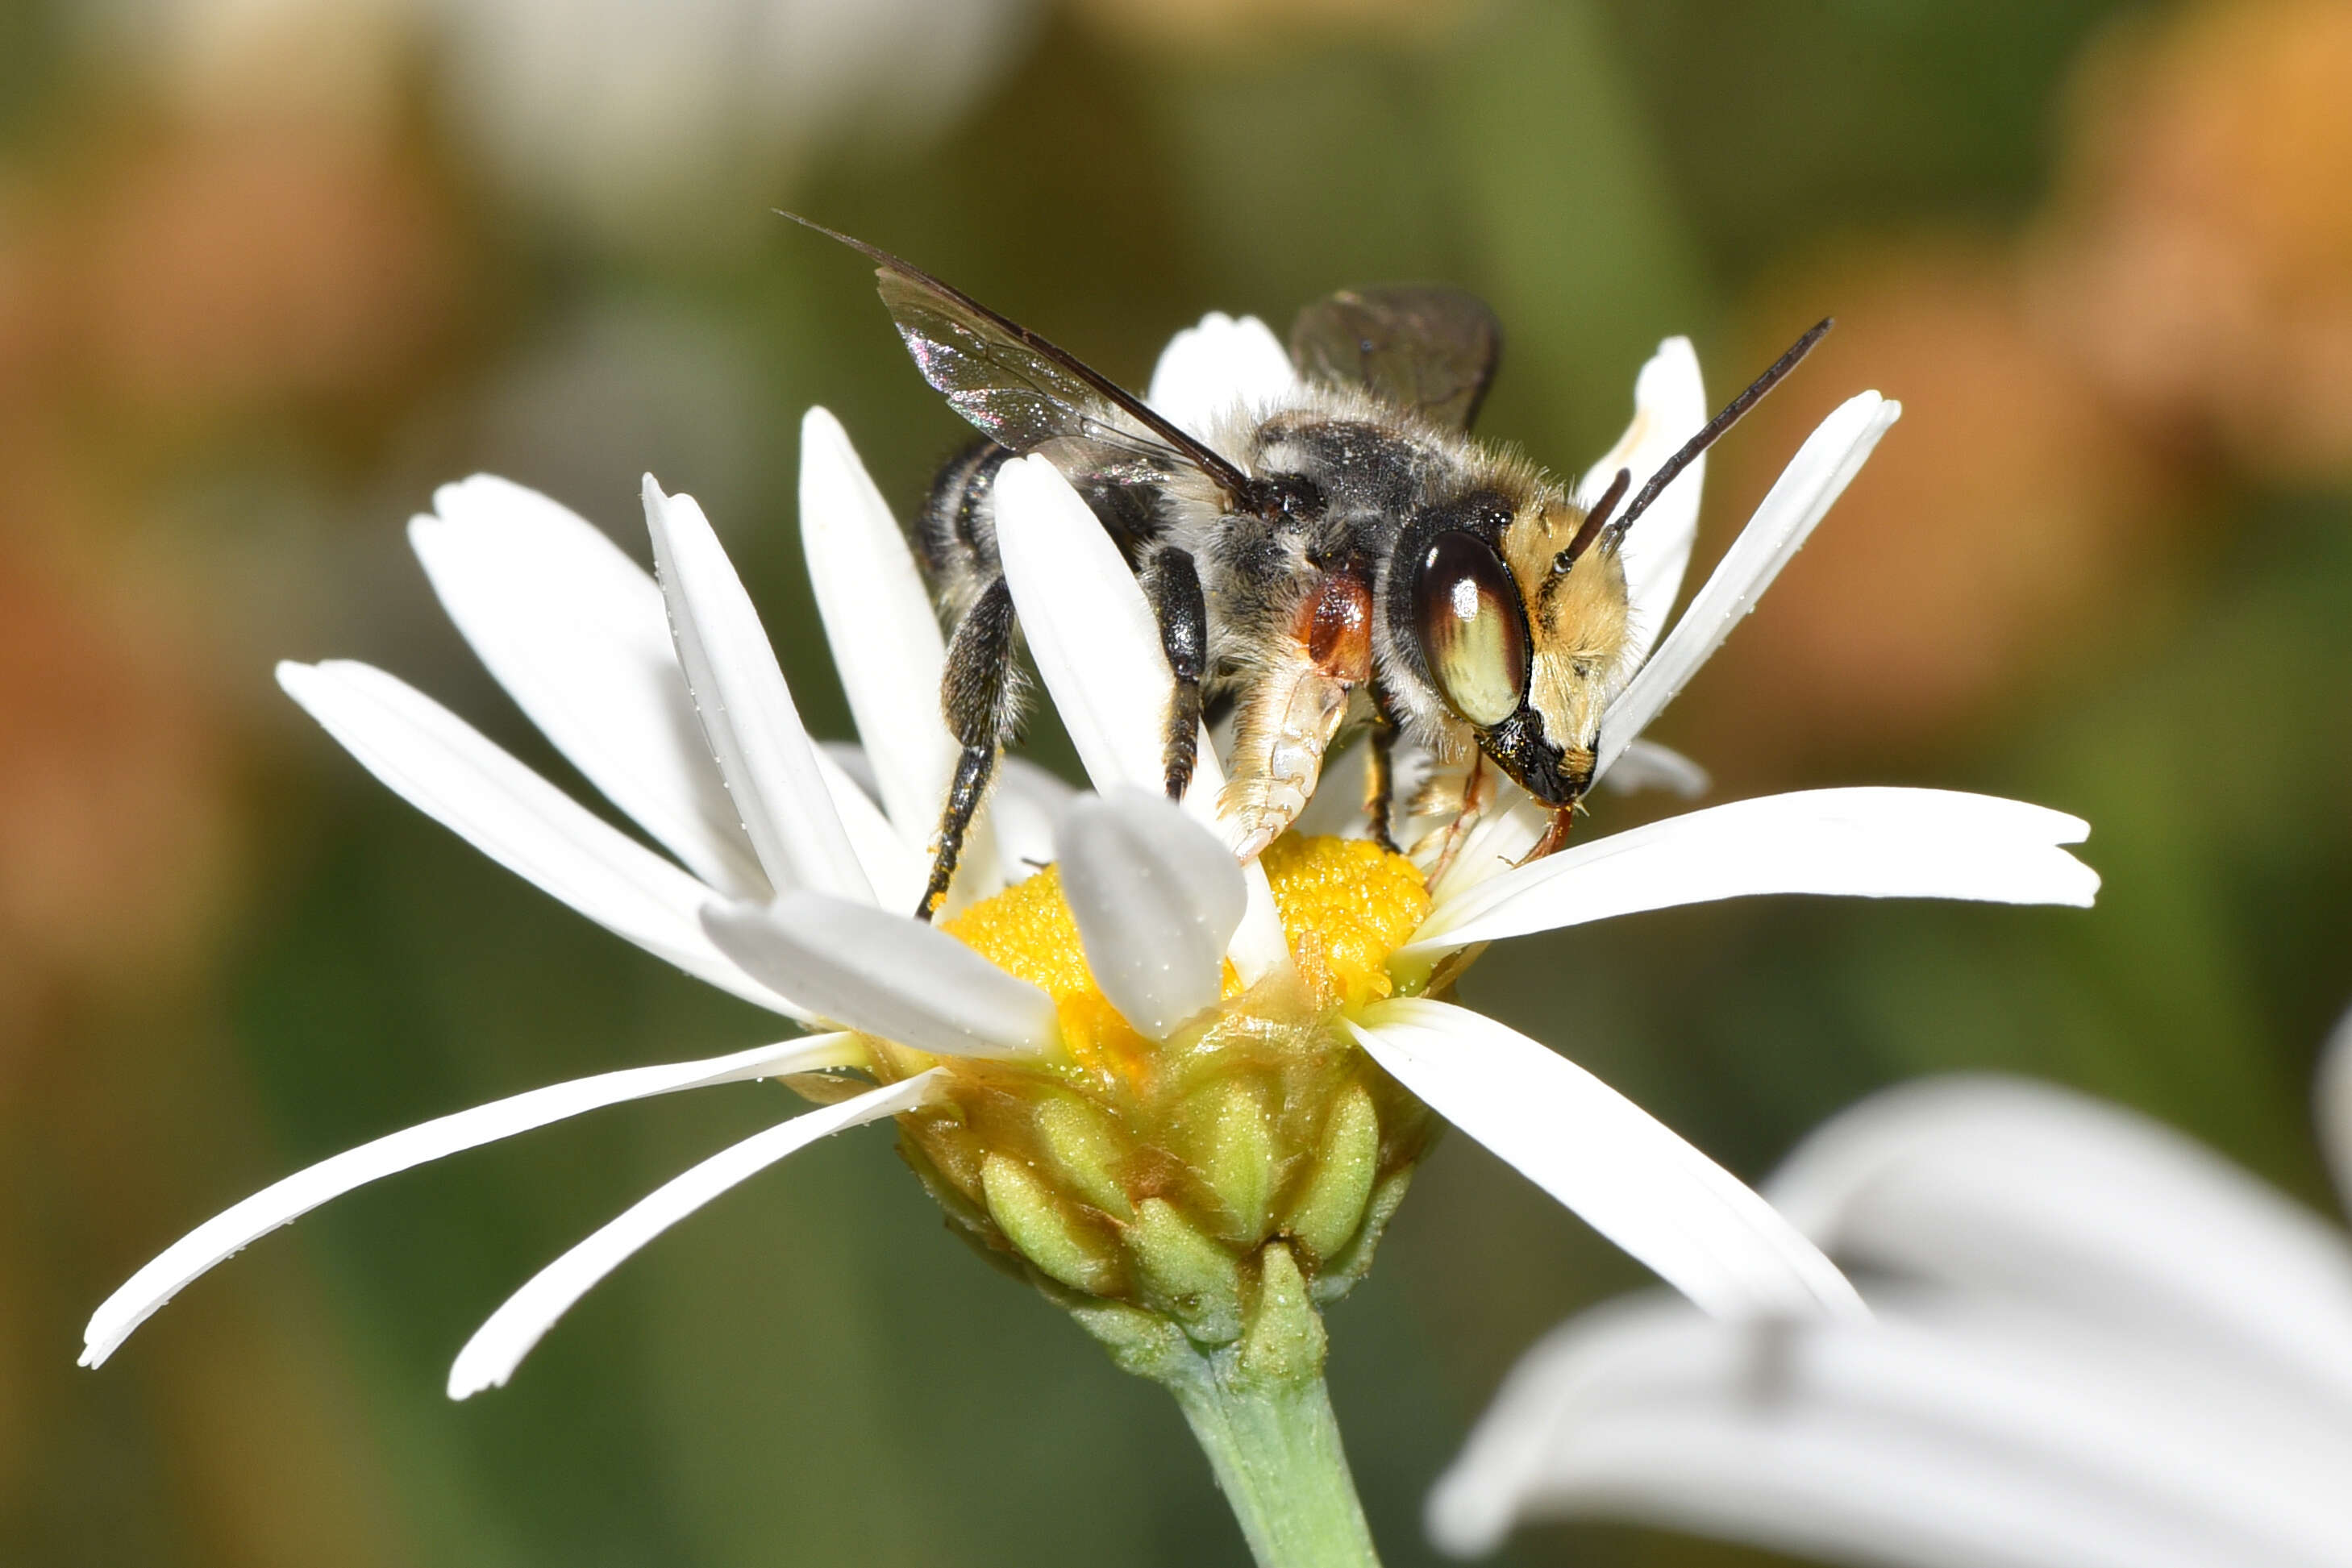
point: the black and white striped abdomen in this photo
(955, 535)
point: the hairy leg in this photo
(1173, 585)
(981, 697)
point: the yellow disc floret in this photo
(1347, 904)
(1028, 931)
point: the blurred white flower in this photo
(629, 115)
(2098, 1346)
(665, 694)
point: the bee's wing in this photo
(1017, 396)
(1420, 346)
(1022, 391)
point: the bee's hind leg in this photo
(1173, 585)
(979, 696)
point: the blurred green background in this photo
(271, 269)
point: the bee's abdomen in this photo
(956, 535)
(1132, 514)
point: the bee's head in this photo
(1509, 603)
(1515, 630)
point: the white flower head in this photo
(2096, 1344)
(1057, 1045)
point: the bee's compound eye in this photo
(1473, 633)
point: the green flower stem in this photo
(1258, 1407)
(1275, 1451)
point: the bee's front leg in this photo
(1456, 793)
(1294, 707)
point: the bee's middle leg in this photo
(979, 696)
(1173, 586)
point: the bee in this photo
(1351, 557)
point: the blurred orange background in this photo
(271, 269)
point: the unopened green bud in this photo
(1338, 1274)
(1185, 1274)
(1283, 1340)
(1037, 1223)
(1086, 1150)
(1330, 1208)
(1234, 1147)
(1140, 1341)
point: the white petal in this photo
(888, 974)
(896, 866)
(1336, 810)
(746, 709)
(1023, 808)
(1669, 407)
(2009, 1187)
(1628, 1175)
(1647, 765)
(2334, 1108)
(1097, 647)
(1260, 946)
(1216, 368)
(1935, 1438)
(1156, 898)
(576, 632)
(1819, 474)
(896, 870)
(1860, 842)
(498, 1346)
(850, 758)
(283, 1202)
(447, 770)
(885, 638)
(1089, 628)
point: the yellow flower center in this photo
(1153, 1172)
(1345, 903)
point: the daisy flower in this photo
(1179, 1092)
(2097, 1344)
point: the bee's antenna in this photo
(1710, 433)
(1594, 520)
